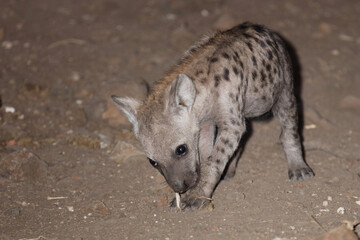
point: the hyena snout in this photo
(181, 184)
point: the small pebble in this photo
(346, 38)
(357, 202)
(70, 208)
(7, 45)
(325, 203)
(329, 198)
(335, 52)
(340, 210)
(170, 16)
(204, 13)
(9, 109)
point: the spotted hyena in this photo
(191, 124)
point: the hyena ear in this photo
(182, 91)
(129, 106)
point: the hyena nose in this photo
(180, 187)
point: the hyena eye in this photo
(153, 163)
(181, 150)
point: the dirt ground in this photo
(71, 169)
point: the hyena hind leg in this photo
(286, 111)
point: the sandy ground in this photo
(71, 169)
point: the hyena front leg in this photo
(228, 138)
(286, 111)
(231, 168)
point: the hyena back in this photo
(191, 124)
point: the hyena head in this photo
(169, 132)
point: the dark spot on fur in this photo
(233, 121)
(231, 110)
(268, 67)
(263, 62)
(250, 46)
(270, 55)
(254, 75)
(269, 43)
(203, 80)
(241, 64)
(255, 89)
(225, 55)
(275, 70)
(213, 59)
(225, 141)
(235, 59)
(254, 60)
(259, 29)
(263, 76)
(237, 133)
(217, 80)
(226, 74)
(222, 150)
(198, 72)
(242, 75)
(263, 97)
(230, 145)
(295, 135)
(231, 95)
(218, 161)
(237, 97)
(235, 70)
(262, 44)
(247, 35)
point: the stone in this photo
(85, 141)
(100, 209)
(23, 165)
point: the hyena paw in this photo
(193, 203)
(300, 174)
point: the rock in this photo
(134, 89)
(350, 102)
(23, 166)
(225, 22)
(341, 233)
(82, 140)
(124, 151)
(101, 209)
